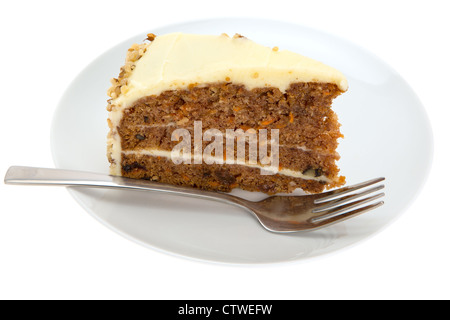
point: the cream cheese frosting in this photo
(174, 61)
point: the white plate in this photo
(386, 130)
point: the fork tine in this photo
(347, 215)
(335, 211)
(335, 193)
(345, 199)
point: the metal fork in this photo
(275, 213)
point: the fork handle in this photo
(18, 175)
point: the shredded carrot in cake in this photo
(267, 122)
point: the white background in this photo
(50, 248)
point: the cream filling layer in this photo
(210, 159)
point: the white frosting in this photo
(175, 60)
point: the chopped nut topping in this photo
(150, 37)
(119, 85)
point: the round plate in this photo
(386, 130)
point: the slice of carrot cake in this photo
(220, 112)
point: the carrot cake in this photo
(218, 112)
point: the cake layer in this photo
(213, 177)
(307, 127)
(302, 114)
